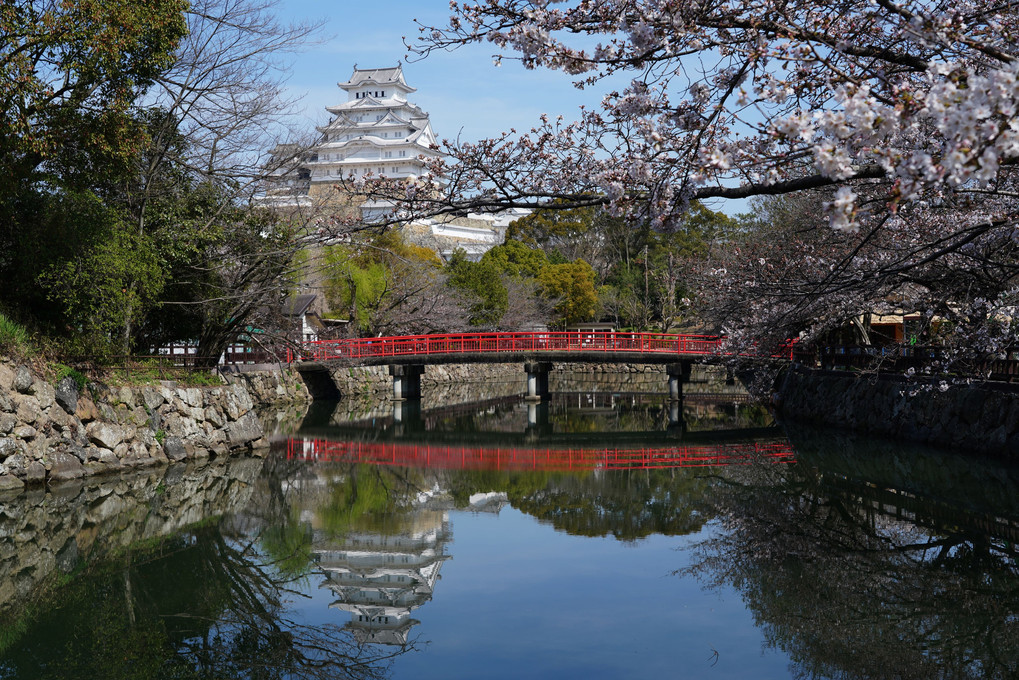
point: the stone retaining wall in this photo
(354, 381)
(982, 417)
(52, 433)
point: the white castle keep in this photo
(377, 132)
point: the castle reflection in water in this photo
(381, 579)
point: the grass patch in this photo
(151, 371)
(14, 337)
(13, 631)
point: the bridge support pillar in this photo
(679, 373)
(537, 379)
(406, 381)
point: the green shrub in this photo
(67, 372)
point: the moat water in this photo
(596, 535)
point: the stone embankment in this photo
(564, 377)
(983, 417)
(52, 433)
(356, 381)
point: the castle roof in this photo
(392, 76)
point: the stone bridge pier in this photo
(406, 381)
(678, 373)
(537, 379)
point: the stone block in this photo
(35, 472)
(125, 395)
(22, 380)
(86, 410)
(7, 423)
(9, 482)
(29, 411)
(152, 398)
(8, 447)
(6, 377)
(174, 449)
(109, 458)
(244, 430)
(105, 435)
(64, 466)
(66, 394)
(192, 396)
(79, 452)
(26, 432)
(157, 454)
(122, 451)
(44, 393)
(16, 464)
(214, 416)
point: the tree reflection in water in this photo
(210, 602)
(627, 505)
(854, 584)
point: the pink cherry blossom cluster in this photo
(736, 98)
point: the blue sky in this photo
(464, 92)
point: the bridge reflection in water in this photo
(444, 456)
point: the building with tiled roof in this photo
(375, 132)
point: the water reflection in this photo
(872, 559)
(380, 579)
(851, 558)
(866, 559)
(205, 594)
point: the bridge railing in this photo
(501, 458)
(551, 341)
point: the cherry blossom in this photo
(902, 113)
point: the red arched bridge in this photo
(514, 459)
(513, 347)
(407, 355)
